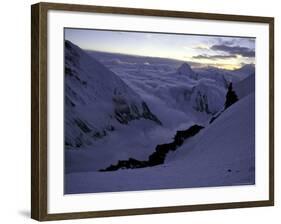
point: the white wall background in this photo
(15, 112)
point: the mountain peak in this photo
(97, 100)
(245, 71)
(247, 67)
(185, 69)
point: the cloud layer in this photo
(214, 57)
(234, 50)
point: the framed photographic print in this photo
(139, 111)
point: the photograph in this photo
(154, 111)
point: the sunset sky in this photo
(217, 51)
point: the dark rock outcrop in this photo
(160, 153)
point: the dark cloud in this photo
(244, 51)
(235, 41)
(214, 57)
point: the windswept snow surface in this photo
(222, 154)
(121, 106)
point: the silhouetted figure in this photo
(231, 97)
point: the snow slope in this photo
(245, 87)
(221, 154)
(245, 71)
(96, 100)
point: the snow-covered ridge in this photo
(96, 100)
(245, 71)
(245, 87)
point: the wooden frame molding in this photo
(39, 202)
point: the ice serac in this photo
(96, 100)
(207, 96)
(185, 69)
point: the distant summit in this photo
(245, 71)
(185, 69)
(247, 68)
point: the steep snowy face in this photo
(96, 100)
(186, 70)
(245, 71)
(207, 96)
(245, 87)
(224, 152)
